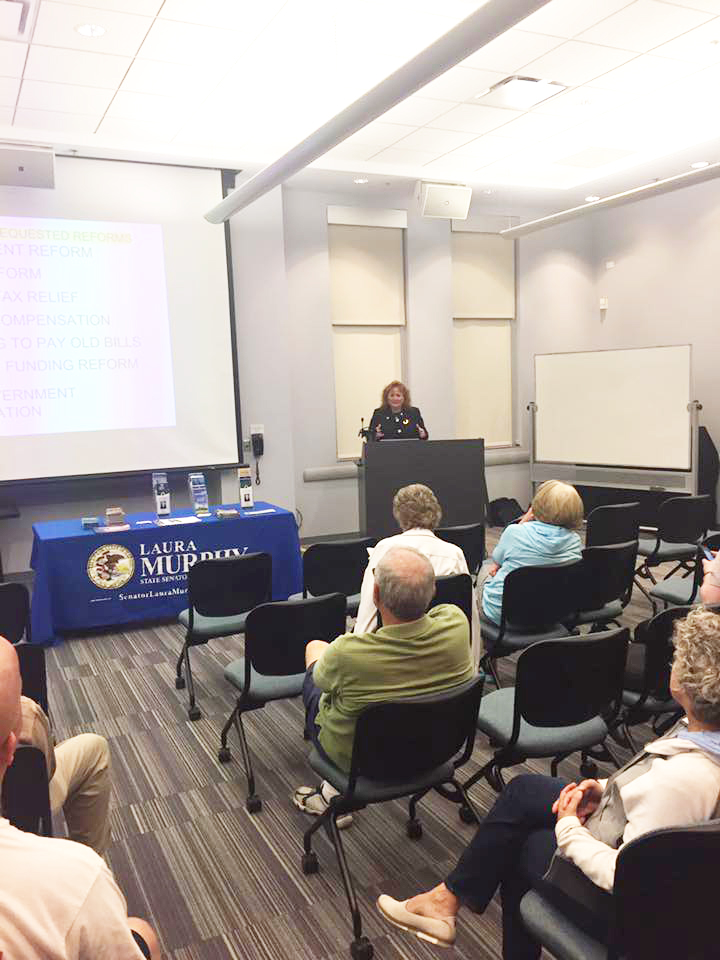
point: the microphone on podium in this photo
(362, 432)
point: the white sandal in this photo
(312, 800)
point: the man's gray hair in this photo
(406, 582)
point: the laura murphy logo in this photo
(111, 566)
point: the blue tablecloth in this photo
(86, 579)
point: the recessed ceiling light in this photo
(520, 93)
(591, 199)
(90, 29)
(360, 180)
(700, 164)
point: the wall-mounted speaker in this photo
(448, 200)
(27, 166)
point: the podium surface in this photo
(453, 469)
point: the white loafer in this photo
(439, 932)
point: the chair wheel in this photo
(179, 683)
(194, 713)
(466, 814)
(361, 949)
(310, 863)
(253, 804)
(589, 769)
(414, 829)
(224, 755)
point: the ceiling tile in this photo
(473, 118)
(535, 126)
(146, 106)
(56, 24)
(378, 134)
(644, 72)
(643, 25)
(450, 165)
(189, 43)
(438, 141)
(486, 149)
(710, 6)
(461, 83)
(156, 131)
(566, 18)
(574, 63)
(403, 158)
(348, 152)
(592, 157)
(9, 87)
(75, 66)
(146, 8)
(12, 58)
(416, 111)
(701, 45)
(171, 79)
(510, 51)
(63, 123)
(64, 97)
(245, 15)
(580, 103)
(6, 115)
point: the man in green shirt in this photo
(415, 652)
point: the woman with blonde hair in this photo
(396, 418)
(418, 513)
(545, 536)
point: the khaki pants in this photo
(81, 787)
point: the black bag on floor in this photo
(503, 511)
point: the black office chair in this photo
(273, 667)
(683, 590)
(566, 698)
(606, 583)
(612, 523)
(456, 588)
(337, 566)
(404, 748)
(33, 673)
(682, 523)
(220, 593)
(536, 602)
(664, 902)
(14, 612)
(26, 793)
(470, 537)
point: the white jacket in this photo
(679, 791)
(446, 559)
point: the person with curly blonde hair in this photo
(396, 418)
(417, 513)
(673, 782)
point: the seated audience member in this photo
(57, 898)
(710, 589)
(545, 536)
(674, 782)
(417, 513)
(416, 651)
(79, 777)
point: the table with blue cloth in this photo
(89, 578)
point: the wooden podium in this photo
(453, 469)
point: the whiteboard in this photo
(620, 408)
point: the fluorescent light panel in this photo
(520, 93)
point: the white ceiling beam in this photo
(482, 26)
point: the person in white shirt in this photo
(58, 899)
(417, 513)
(674, 782)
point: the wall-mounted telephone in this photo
(257, 439)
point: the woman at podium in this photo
(395, 418)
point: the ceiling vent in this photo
(520, 93)
(27, 166)
(17, 18)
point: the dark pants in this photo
(512, 850)
(311, 701)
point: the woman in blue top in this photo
(545, 536)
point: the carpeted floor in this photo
(216, 882)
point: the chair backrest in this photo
(607, 574)
(400, 740)
(470, 537)
(14, 611)
(560, 683)
(33, 672)
(538, 597)
(656, 636)
(684, 519)
(229, 586)
(665, 894)
(276, 634)
(25, 792)
(336, 566)
(456, 588)
(612, 523)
